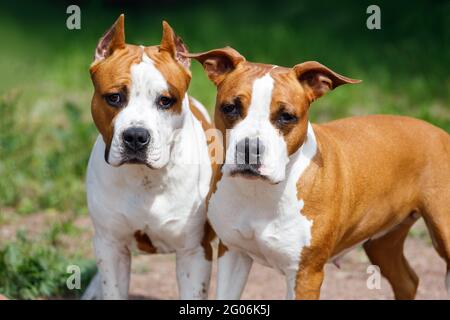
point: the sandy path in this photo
(154, 277)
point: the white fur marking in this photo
(261, 97)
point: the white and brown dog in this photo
(294, 196)
(149, 173)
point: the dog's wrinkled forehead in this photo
(246, 83)
(115, 72)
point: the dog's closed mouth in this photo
(247, 172)
(136, 161)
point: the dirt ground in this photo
(153, 277)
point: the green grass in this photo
(37, 268)
(46, 131)
(43, 166)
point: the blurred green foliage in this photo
(31, 269)
(43, 166)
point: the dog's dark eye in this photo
(114, 99)
(286, 118)
(230, 110)
(165, 102)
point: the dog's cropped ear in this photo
(318, 79)
(174, 45)
(218, 62)
(112, 40)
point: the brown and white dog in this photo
(294, 196)
(149, 173)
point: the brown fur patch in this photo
(208, 237)
(369, 175)
(143, 242)
(222, 249)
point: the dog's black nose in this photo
(249, 151)
(136, 139)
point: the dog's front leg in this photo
(193, 273)
(113, 261)
(304, 284)
(232, 273)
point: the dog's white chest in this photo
(167, 205)
(260, 221)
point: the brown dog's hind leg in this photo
(387, 253)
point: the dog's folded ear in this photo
(112, 40)
(318, 79)
(174, 45)
(218, 62)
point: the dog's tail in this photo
(94, 289)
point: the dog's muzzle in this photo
(136, 141)
(248, 154)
